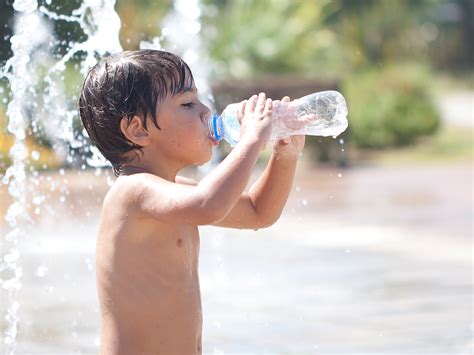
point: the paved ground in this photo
(376, 260)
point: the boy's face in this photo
(184, 137)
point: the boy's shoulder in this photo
(126, 189)
(129, 191)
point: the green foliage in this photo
(390, 107)
(330, 38)
(373, 32)
(254, 37)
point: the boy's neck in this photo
(131, 169)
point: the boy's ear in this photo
(135, 131)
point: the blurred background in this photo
(373, 253)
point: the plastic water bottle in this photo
(319, 114)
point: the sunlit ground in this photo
(369, 259)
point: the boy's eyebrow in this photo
(190, 89)
(186, 90)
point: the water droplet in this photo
(48, 289)
(37, 200)
(61, 172)
(41, 271)
(348, 251)
(62, 198)
(342, 149)
(110, 181)
(11, 257)
(89, 264)
(341, 141)
(305, 203)
(298, 188)
(339, 175)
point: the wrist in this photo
(291, 156)
(253, 140)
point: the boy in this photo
(142, 111)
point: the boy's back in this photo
(147, 279)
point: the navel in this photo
(180, 242)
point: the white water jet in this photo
(24, 44)
(101, 24)
(49, 109)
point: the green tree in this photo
(252, 37)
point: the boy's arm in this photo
(218, 192)
(264, 203)
(267, 197)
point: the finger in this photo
(250, 105)
(286, 99)
(241, 110)
(268, 107)
(261, 102)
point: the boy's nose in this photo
(206, 114)
(207, 111)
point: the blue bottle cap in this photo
(215, 131)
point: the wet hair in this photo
(125, 85)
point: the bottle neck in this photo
(214, 128)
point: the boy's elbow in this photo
(267, 221)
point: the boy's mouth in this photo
(214, 141)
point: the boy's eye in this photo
(188, 104)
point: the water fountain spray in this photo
(16, 70)
(101, 25)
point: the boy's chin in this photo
(204, 161)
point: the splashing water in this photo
(51, 111)
(22, 48)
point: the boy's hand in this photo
(255, 118)
(290, 146)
